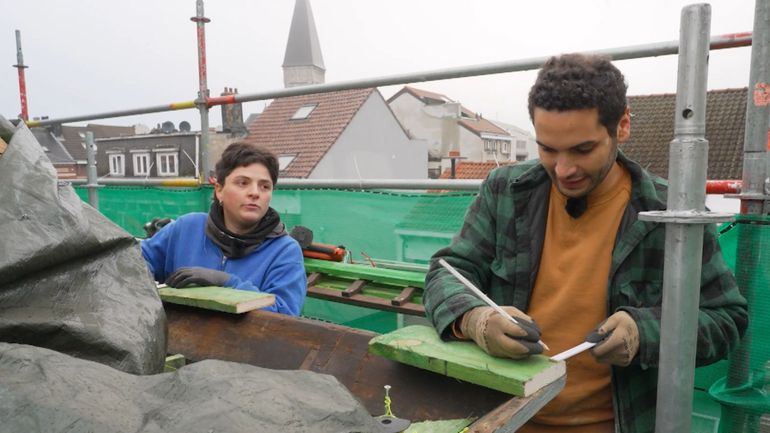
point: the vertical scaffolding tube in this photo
(203, 92)
(688, 160)
(753, 196)
(22, 80)
(757, 112)
(93, 195)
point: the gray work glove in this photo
(500, 337)
(185, 277)
(620, 340)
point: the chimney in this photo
(232, 115)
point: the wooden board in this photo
(444, 426)
(223, 299)
(360, 272)
(421, 347)
(174, 363)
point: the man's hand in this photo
(622, 343)
(500, 337)
(184, 277)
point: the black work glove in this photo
(185, 277)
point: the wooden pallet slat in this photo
(358, 272)
(365, 301)
(354, 289)
(403, 297)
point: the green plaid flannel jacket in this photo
(498, 248)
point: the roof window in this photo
(284, 161)
(303, 112)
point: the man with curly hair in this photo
(557, 241)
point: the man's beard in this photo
(576, 206)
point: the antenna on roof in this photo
(184, 126)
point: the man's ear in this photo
(624, 126)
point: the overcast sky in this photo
(90, 56)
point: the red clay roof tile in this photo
(473, 170)
(310, 138)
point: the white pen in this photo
(482, 296)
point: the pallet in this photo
(378, 288)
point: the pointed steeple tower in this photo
(303, 63)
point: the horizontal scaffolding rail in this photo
(732, 40)
(712, 186)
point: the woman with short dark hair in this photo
(240, 243)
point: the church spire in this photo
(303, 63)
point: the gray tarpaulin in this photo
(70, 279)
(74, 289)
(46, 391)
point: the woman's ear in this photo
(217, 191)
(624, 126)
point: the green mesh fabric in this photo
(132, 206)
(387, 225)
(745, 390)
(410, 227)
(402, 227)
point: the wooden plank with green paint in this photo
(421, 347)
(224, 299)
(174, 363)
(360, 272)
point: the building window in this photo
(284, 161)
(490, 145)
(521, 144)
(117, 164)
(521, 158)
(141, 164)
(167, 163)
(505, 147)
(304, 112)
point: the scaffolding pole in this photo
(93, 184)
(754, 198)
(732, 40)
(200, 21)
(20, 66)
(684, 218)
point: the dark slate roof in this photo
(309, 138)
(75, 144)
(53, 148)
(303, 48)
(652, 129)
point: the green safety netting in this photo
(407, 227)
(410, 227)
(745, 391)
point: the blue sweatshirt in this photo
(275, 267)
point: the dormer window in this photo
(304, 112)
